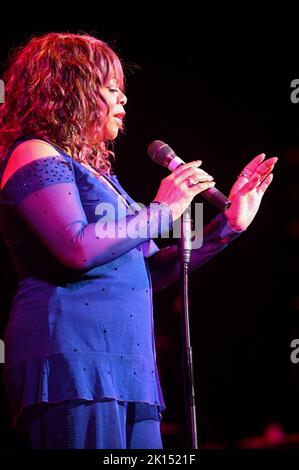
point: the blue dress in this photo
(76, 333)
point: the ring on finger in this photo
(189, 183)
(244, 175)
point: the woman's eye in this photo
(113, 90)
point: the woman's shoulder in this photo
(31, 149)
(27, 151)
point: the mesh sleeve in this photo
(36, 175)
(165, 267)
(46, 197)
(149, 249)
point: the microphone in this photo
(162, 154)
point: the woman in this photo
(80, 366)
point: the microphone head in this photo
(161, 153)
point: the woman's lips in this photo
(120, 115)
(119, 118)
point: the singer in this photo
(80, 367)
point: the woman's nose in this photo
(123, 99)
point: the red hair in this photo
(52, 91)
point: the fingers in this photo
(251, 166)
(180, 169)
(265, 168)
(262, 169)
(199, 187)
(194, 174)
(266, 183)
(261, 176)
(253, 183)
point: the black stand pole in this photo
(184, 255)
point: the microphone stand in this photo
(184, 257)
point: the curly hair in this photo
(52, 91)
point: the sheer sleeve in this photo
(45, 195)
(165, 265)
(149, 249)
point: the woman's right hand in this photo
(179, 188)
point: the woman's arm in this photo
(165, 266)
(245, 196)
(44, 194)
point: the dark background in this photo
(214, 84)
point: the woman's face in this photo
(116, 100)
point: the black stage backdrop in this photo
(214, 84)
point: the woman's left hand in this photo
(247, 192)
